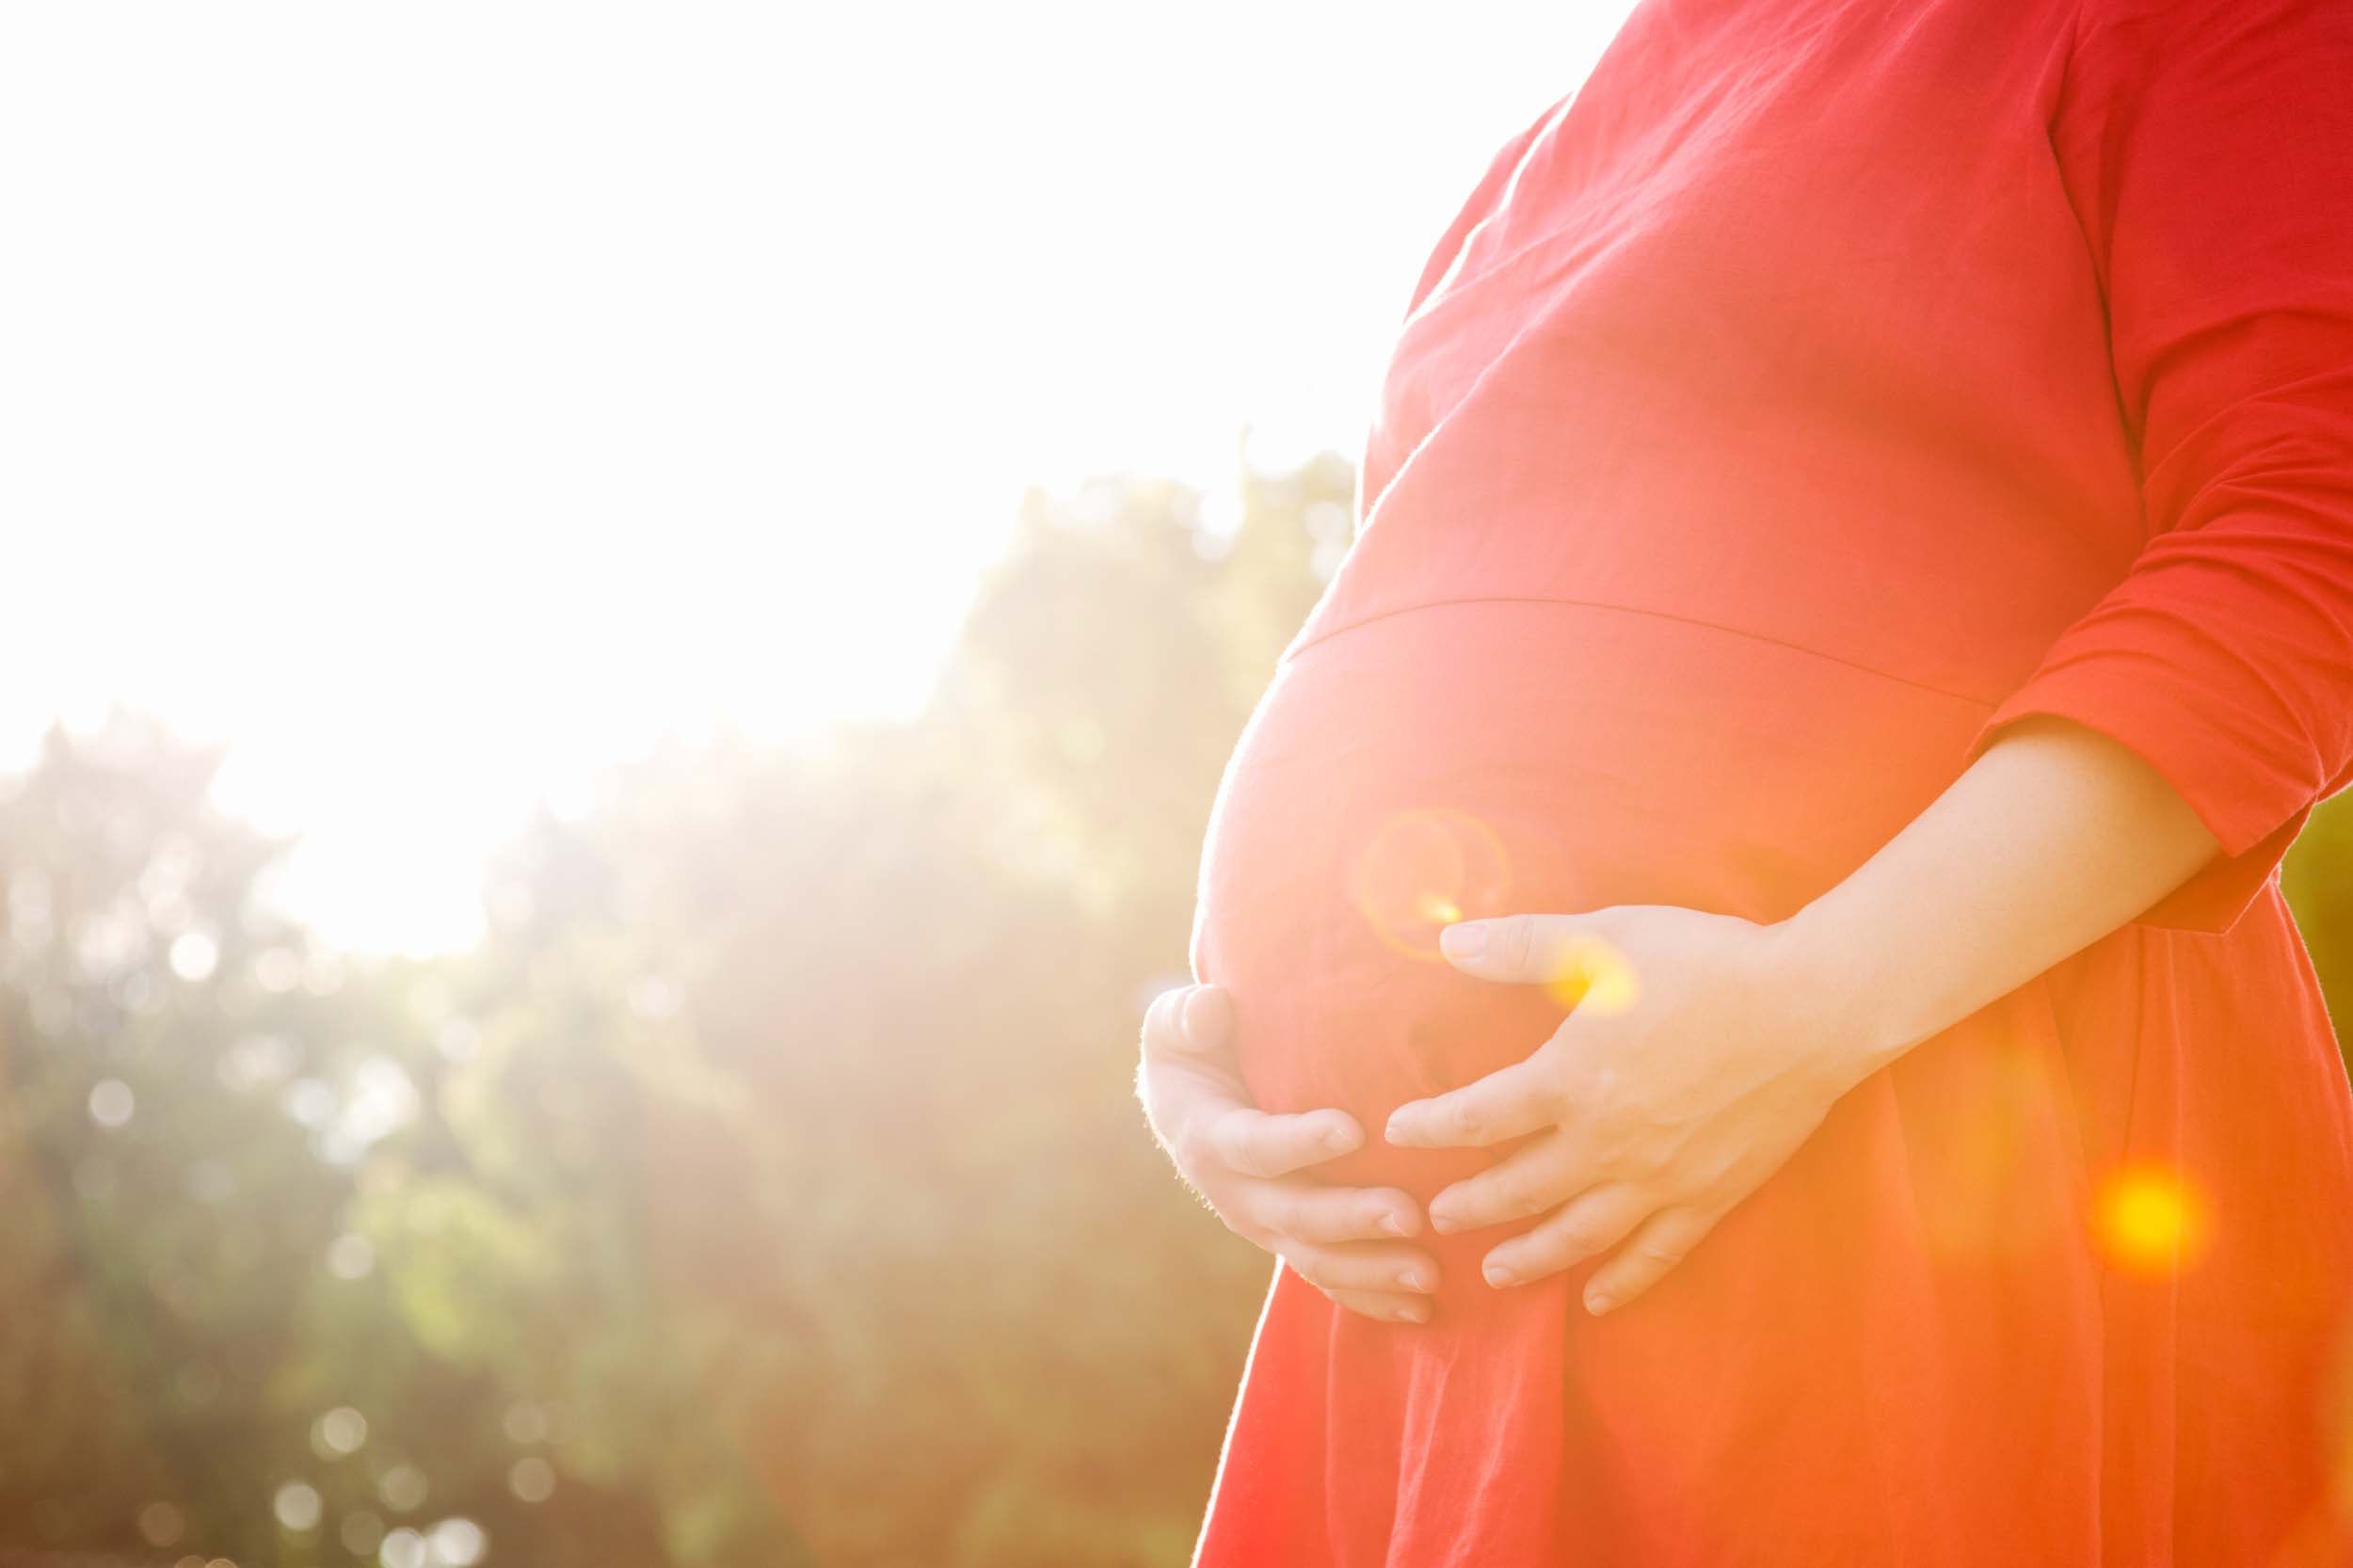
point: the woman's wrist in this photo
(2053, 837)
(1860, 1021)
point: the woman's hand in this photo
(1697, 1058)
(1248, 1164)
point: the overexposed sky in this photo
(438, 400)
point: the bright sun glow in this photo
(439, 400)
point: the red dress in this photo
(1821, 386)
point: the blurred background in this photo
(621, 627)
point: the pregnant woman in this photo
(1740, 965)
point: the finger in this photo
(1527, 1181)
(1388, 1266)
(1162, 1033)
(1264, 1144)
(1386, 1306)
(1313, 1212)
(1509, 1102)
(1590, 1223)
(1664, 1240)
(1208, 1019)
(1570, 953)
(1188, 1021)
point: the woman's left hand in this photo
(1700, 1052)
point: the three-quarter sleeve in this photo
(2207, 147)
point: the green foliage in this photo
(767, 1188)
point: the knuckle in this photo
(1510, 941)
(1278, 1217)
(1239, 1144)
(1581, 1240)
(1258, 1149)
(1342, 1223)
(1519, 1199)
(1644, 1159)
(1301, 1218)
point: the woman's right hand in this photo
(1249, 1164)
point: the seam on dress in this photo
(1989, 704)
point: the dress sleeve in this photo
(2207, 147)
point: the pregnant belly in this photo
(1493, 757)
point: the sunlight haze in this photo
(438, 401)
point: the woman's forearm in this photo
(2054, 837)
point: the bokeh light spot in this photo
(403, 1488)
(1424, 869)
(160, 1524)
(111, 1103)
(456, 1542)
(533, 1478)
(340, 1431)
(194, 956)
(1593, 975)
(296, 1506)
(2151, 1219)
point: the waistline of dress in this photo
(1301, 645)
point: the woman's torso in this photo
(1721, 482)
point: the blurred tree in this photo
(839, 1043)
(200, 1352)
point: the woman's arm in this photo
(2052, 838)
(1701, 1050)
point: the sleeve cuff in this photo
(2248, 815)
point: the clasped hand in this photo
(1698, 1052)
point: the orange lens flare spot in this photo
(1593, 975)
(2150, 1219)
(1425, 868)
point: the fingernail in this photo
(1598, 1305)
(1498, 1274)
(1412, 1279)
(1394, 1224)
(1415, 1312)
(1463, 941)
(1442, 1223)
(1335, 1140)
